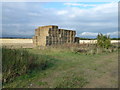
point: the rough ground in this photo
(68, 69)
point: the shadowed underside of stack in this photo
(52, 35)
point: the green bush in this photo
(103, 41)
(16, 62)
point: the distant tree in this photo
(87, 38)
(115, 38)
(103, 41)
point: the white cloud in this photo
(116, 33)
(78, 4)
(59, 0)
(88, 34)
(62, 12)
(101, 18)
(34, 14)
(99, 12)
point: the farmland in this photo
(24, 43)
(68, 68)
(29, 41)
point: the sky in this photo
(86, 18)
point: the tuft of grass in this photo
(71, 81)
(42, 83)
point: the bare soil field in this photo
(17, 43)
(28, 43)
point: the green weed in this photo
(16, 62)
